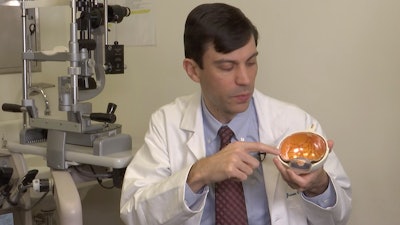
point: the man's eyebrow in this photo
(233, 61)
(252, 56)
(221, 61)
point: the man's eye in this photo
(251, 63)
(226, 66)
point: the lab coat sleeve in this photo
(152, 192)
(339, 213)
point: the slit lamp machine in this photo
(84, 137)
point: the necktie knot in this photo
(225, 134)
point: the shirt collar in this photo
(239, 124)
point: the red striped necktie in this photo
(230, 206)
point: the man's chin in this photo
(241, 107)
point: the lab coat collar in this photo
(192, 122)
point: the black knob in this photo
(111, 108)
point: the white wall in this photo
(337, 59)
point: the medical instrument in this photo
(84, 137)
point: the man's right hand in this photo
(232, 162)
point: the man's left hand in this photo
(311, 184)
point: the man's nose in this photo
(243, 75)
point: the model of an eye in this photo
(303, 151)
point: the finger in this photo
(284, 171)
(282, 168)
(242, 173)
(242, 166)
(239, 172)
(249, 164)
(250, 161)
(259, 147)
(291, 177)
(295, 178)
(330, 145)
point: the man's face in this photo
(227, 80)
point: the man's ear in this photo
(192, 69)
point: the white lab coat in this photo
(154, 184)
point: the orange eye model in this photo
(303, 151)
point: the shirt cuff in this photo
(326, 199)
(194, 200)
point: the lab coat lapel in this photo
(271, 173)
(192, 123)
(276, 201)
(271, 179)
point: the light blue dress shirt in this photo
(245, 128)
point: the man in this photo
(174, 176)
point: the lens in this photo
(303, 145)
